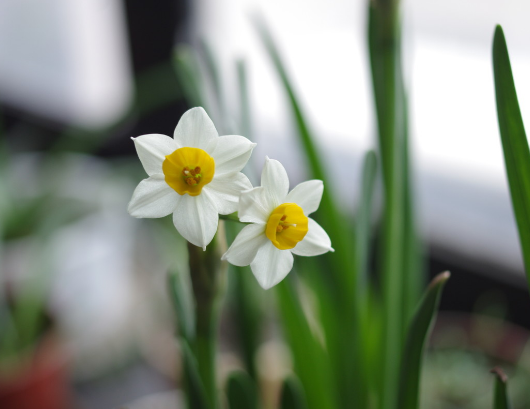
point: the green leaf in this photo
(310, 359)
(385, 60)
(180, 293)
(500, 396)
(417, 336)
(293, 396)
(187, 72)
(195, 392)
(514, 143)
(241, 392)
(340, 286)
(364, 218)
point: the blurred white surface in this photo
(67, 60)
(463, 197)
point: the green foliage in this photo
(514, 142)
(195, 392)
(419, 330)
(500, 396)
(241, 392)
(293, 396)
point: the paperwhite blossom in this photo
(280, 226)
(195, 175)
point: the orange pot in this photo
(41, 382)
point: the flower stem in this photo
(231, 218)
(208, 277)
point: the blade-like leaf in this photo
(341, 266)
(500, 396)
(417, 336)
(241, 392)
(310, 359)
(293, 396)
(514, 143)
(180, 294)
(195, 393)
(364, 218)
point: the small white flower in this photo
(195, 175)
(280, 226)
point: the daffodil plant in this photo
(196, 176)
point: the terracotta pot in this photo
(40, 382)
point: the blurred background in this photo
(78, 79)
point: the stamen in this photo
(283, 218)
(279, 228)
(197, 170)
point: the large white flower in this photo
(195, 175)
(280, 226)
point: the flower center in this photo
(188, 170)
(287, 225)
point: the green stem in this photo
(208, 277)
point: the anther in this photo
(283, 218)
(279, 228)
(197, 170)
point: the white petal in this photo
(230, 153)
(245, 246)
(271, 265)
(225, 191)
(315, 242)
(195, 129)
(196, 219)
(307, 195)
(274, 179)
(152, 150)
(153, 198)
(254, 206)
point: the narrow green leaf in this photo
(328, 213)
(195, 393)
(500, 395)
(385, 61)
(293, 396)
(341, 267)
(214, 77)
(514, 143)
(180, 293)
(364, 218)
(187, 71)
(418, 333)
(241, 392)
(310, 359)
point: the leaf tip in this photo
(497, 371)
(440, 279)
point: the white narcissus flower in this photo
(195, 175)
(280, 226)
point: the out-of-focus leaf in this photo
(418, 333)
(343, 345)
(213, 75)
(247, 308)
(293, 396)
(514, 143)
(241, 392)
(500, 396)
(364, 217)
(180, 294)
(310, 359)
(385, 61)
(195, 393)
(187, 72)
